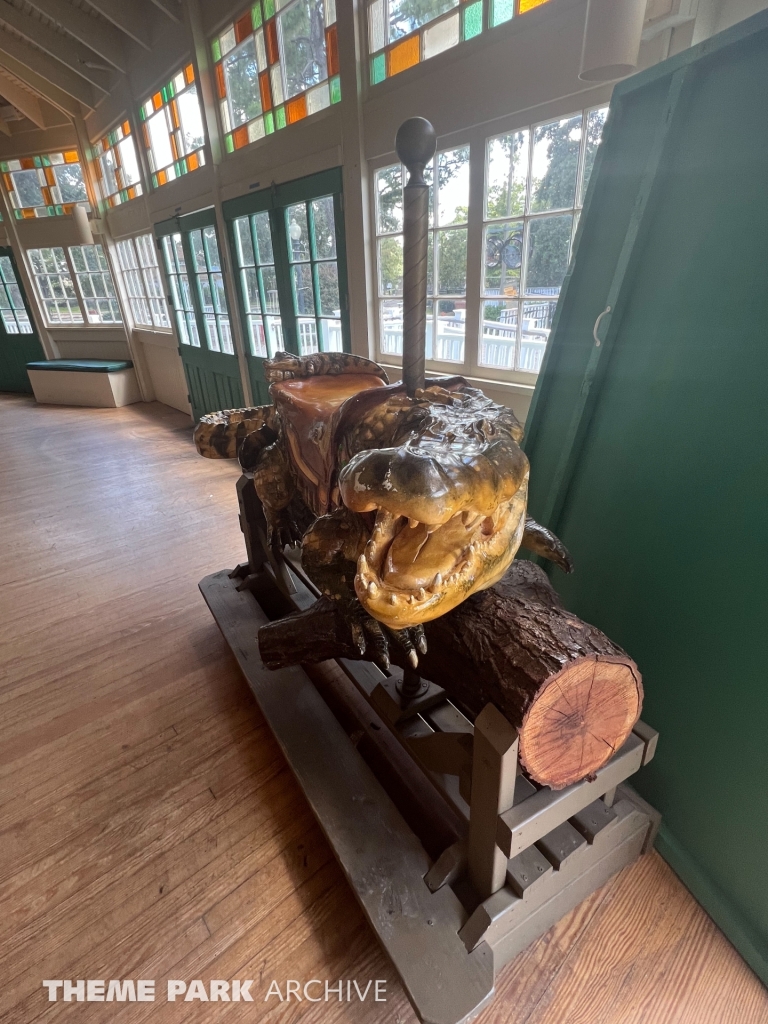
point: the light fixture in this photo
(294, 230)
(82, 225)
(612, 34)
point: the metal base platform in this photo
(445, 942)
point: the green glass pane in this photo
(256, 15)
(4, 167)
(165, 93)
(280, 117)
(142, 114)
(335, 84)
(154, 181)
(269, 123)
(51, 211)
(38, 161)
(216, 51)
(269, 8)
(378, 69)
(229, 143)
(18, 214)
(59, 210)
(473, 20)
(501, 11)
(124, 196)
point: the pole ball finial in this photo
(415, 143)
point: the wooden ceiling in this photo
(63, 56)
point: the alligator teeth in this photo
(362, 565)
(372, 589)
(411, 599)
(392, 599)
(413, 523)
(438, 580)
(422, 593)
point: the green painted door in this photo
(192, 262)
(287, 244)
(19, 343)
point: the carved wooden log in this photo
(571, 692)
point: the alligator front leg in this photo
(275, 487)
(329, 554)
(541, 541)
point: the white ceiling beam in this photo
(135, 19)
(47, 68)
(62, 48)
(45, 90)
(103, 38)
(170, 9)
(24, 101)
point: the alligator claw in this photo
(375, 641)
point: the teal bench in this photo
(98, 383)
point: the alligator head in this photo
(446, 517)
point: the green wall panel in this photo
(649, 452)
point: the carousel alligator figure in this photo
(403, 507)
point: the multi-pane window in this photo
(138, 264)
(12, 308)
(258, 282)
(95, 284)
(210, 287)
(275, 65)
(314, 274)
(117, 166)
(45, 186)
(534, 188)
(447, 265)
(181, 295)
(53, 280)
(402, 33)
(173, 128)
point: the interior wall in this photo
(525, 69)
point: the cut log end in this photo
(578, 720)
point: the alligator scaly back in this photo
(219, 435)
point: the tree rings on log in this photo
(578, 720)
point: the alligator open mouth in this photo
(411, 572)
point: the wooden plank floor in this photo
(148, 825)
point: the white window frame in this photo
(477, 138)
(85, 324)
(139, 272)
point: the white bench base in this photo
(79, 387)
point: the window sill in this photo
(395, 374)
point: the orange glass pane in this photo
(146, 134)
(175, 114)
(174, 147)
(126, 127)
(8, 182)
(27, 163)
(27, 213)
(243, 27)
(240, 136)
(51, 179)
(403, 55)
(266, 92)
(296, 109)
(527, 5)
(46, 196)
(71, 157)
(189, 74)
(270, 37)
(221, 85)
(162, 177)
(332, 50)
(192, 162)
(157, 100)
(68, 207)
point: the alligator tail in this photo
(219, 435)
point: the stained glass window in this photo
(274, 66)
(447, 260)
(45, 186)
(12, 308)
(95, 284)
(402, 33)
(535, 182)
(138, 263)
(174, 134)
(117, 166)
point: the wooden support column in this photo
(494, 770)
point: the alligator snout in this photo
(431, 484)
